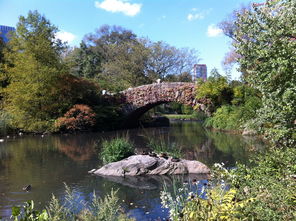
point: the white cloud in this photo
(123, 6)
(196, 16)
(65, 36)
(214, 31)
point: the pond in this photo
(47, 162)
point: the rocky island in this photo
(138, 165)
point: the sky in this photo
(181, 23)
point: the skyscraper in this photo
(200, 71)
(4, 32)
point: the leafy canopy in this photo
(34, 53)
(265, 40)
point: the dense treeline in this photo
(42, 78)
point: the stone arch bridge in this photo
(140, 99)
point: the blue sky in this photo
(181, 23)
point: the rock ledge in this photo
(137, 165)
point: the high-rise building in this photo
(4, 32)
(200, 71)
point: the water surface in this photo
(48, 162)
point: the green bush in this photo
(226, 117)
(265, 190)
(216, 89)
(186, 109)
(271, 182)
(233, 117)
(116, 149)
(193, 201)
(264, 40)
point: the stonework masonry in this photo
(140, 99)
(180, 92)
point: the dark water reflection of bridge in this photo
(47, 162)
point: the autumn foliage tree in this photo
(79, 118)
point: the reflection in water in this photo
(153, 182)
(47, 162)
(77, 149)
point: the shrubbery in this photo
(216, 89)
(116, 149)
(99, 209)
(226, 117)
(266, 191)
(79, 118)
(264, 40)
(272, 184)
(234, 103)
(235, 117)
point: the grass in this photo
(116, 149)
(72, 209)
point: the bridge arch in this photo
(140, 99)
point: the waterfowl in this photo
(175, 159)
(27, 188)
(152, 154)
(164, 155)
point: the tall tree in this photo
(3, 65)
(167, 60)
(265, 40)
(35, 52)
(94, 50)
(229, 26)
(127, 66)
(214, 73)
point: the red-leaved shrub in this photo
(79, 118)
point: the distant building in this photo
(200, 71)
(4, 32)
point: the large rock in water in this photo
(137, 165)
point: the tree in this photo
(214, 73)
(34, 51)
(87, 62)
(113, 56)
(110, 35)
(165, 60)
(4, 81)
(216, 89)
(229, 27)
(127, 66)
(2, 45)
(106, 37)
(184, 77)
(265, 41)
